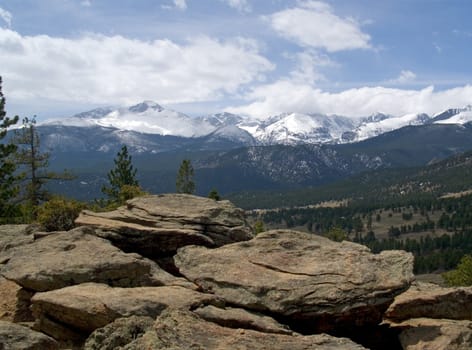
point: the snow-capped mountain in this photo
(150, 118)
(454, 116)
(147, 117)
(380, 123)
(296, 128)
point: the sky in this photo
(251, 57)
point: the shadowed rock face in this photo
(89, 306)
(301, 276)
(179, 329)
(156, 226)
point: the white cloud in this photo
(288, 96)
(180, 4)
(308, 66)
(6, 16)
(406, 76)
(86, 3)
(117, 70)
(313, 24)
(240, 5)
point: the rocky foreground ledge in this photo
(183, 272)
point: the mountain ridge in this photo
(150, 118)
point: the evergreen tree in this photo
(214, 195)
(121, 177)
(34, 163)
(185, 183)
(8, 189)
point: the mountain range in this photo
(148, 127)
(234, 153)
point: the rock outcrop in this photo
(86, 307)
(433, 317)
(156, 226)
(432, 301)
(180, 329)
(16, 337)
(67, 258)
(301, 276)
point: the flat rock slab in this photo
(431, 301)
(178, 329)
(160, 224)
(67, 258)
(86, 307)
(432, 334)
(301, 276)
(16, 337)
(240, 318)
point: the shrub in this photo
(59, 214)
(462, 275)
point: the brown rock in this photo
(86, 307)
(240, 318)
(431, 301)
(158, 225)
(67, 258)
(177, 329)
(14, 302)
(435, 334)
(16, 337)
(301, 276)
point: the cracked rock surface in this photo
(160, 224)
(301, 276)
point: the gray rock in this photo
(16, 337)
(301, 276)
(119, 333)
(67, 258)
(178, 329)
(158, 225)
(240, 318)
(86, 307)
(431, 301)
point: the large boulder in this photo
(431, 301)
(83, 308)
(67, 258)
(158, 225)
(16, 337)
(301, 276)
(180, 329)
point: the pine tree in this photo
(185, 183)
(34, 164)
(121, 177)
(8, 189)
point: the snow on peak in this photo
(455, 116)
(372, 127)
